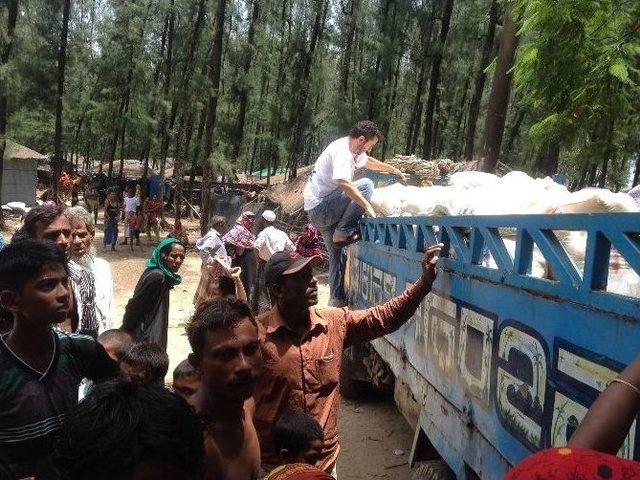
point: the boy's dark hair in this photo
(215, 314)
(119, 425)
(226, 285)
(366, 129)
(183, 370)
(41, 215)
(152, 358)
(122, 338)
(294, 431)
(22, 261)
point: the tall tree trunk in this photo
(304, 82)
(244, 90)
(123, 130)
(186, 122)
(500, 92)
(413, 130)
(636, 171)
(196, 153)
(514, 131)
(166, 121)
(435, 80)
(476, 99)
(351, 20)
(460, 114)
(548, 158)
(5, 51)
(215, 68)
(62, 62)
(602, 181)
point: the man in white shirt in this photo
(269, 241)
(335, 203)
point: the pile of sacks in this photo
(426, 171)
(479, 193)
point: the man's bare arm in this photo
(378, 166)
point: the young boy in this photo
(128, 431)
(144, 363)
(116, 342)
(40, 369)
(186, 380)
(134, 222)
(226, 352)
(297, 437)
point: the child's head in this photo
(148, 432)
(34, 281)
(223, 286)
(297, 438)
(226, 350)
(186, 380)
(144, 363)
(116, 342)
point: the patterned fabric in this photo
(85, 292)
(240, 235)
(308, 243)
(3, 243)
(574, 464)
(298, 471)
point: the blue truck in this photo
(496, 363)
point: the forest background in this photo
(547, 86)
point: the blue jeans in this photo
(338, 213)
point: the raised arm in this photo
(609, 419)
(378, 166)
(354, 194)
(375, 322)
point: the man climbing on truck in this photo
(302, 346)
(335, 202)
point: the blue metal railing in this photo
(467, 237)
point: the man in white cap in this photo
(269, 241)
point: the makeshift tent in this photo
(19, 173)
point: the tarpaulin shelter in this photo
(20, 166)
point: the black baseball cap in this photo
(286, 263)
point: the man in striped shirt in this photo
(40, 369)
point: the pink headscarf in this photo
(240, 235)
(308, 243)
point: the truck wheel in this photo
(349, 386)
(433, 470)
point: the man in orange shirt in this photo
(302, 346)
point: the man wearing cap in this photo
(335, 203)
(302, 346)
(269, 241)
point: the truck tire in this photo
(433, 470)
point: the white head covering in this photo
(269, 216)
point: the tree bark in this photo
(166, 88)
(215, 68)
(244, 90)
(548, 158)
(636, 172)
(186, 122)
(304, 80)
(500, 92)
(351, 19)
(62, 62)
(602, 181)
(476, 99)
(435, 80)
(5, 52)
(514, 131)
(415, 120)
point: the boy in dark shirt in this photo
(40, 369)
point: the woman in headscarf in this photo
(111, 215)
(239, 242)
(308, 243)
(146, 316)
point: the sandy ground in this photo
(370, 430)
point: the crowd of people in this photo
(83, 394)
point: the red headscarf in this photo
(240, 235)
(298, 471)
(308, 243)
(574, 464)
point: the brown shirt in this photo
(302, 374)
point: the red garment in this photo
(574, 464)
(240, 235)
(308, 243)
